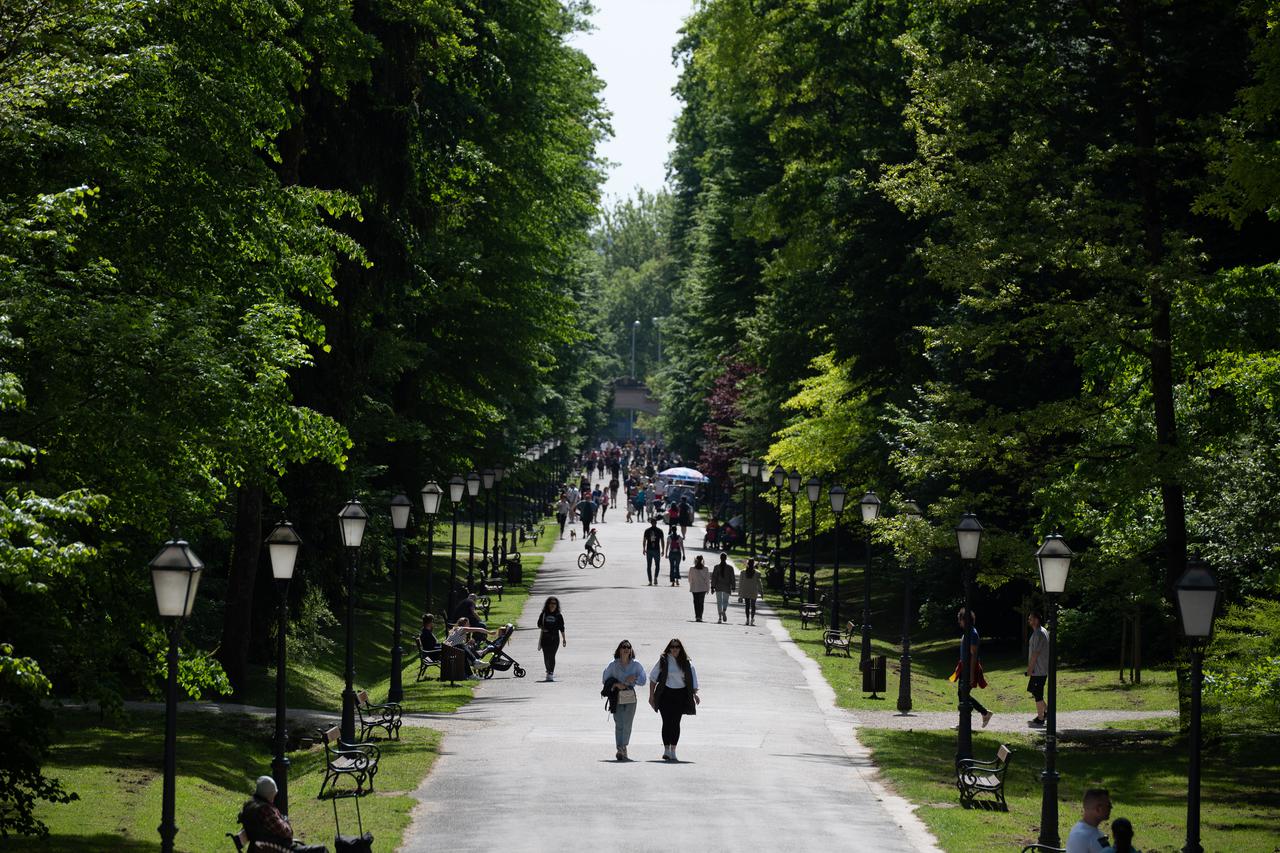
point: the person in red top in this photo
(263, 821)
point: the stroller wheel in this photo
(519, 672)
(488, 673)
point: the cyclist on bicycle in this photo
(592, 543)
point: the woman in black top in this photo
(551, 623)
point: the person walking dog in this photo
(621, 678)
(673, 692)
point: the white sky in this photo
(631, 48)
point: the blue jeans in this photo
(652, 557)
(675, 566)
(623, 717)
(722, 601)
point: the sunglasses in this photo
(625, 646)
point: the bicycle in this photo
(596, 559)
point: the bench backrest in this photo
(1002, 754)
(362, 697)
(331, 735)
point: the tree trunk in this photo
(237, 619)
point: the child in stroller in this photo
(496, 652)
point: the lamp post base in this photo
(280, 773)
(348, 715)
(1049, 809)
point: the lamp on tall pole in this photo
(793, 486)
(400, 511)
(1197, 606)
(1053, 558)
(870, 506)
(912, 511)
(745, 467)
(779, 478)
(473, 489)
(754, 467)
(175, 576)
(352, 520)
(813, 491)
(500, 514)
(658, 329)
(634, 326)
(837, 496)
(487, 479)
(282, 544)
(457, 486)
(431, 495)
(969, 539)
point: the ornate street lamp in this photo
(813, 491)
(746, 506)
(500, 515)
(793, 486)
(1054, 561)
(400, 511)
(754, 467)
(968, 538)
(431, 497)
(282, 544)
(1197, 606)
(175, 576)
(912, 511)
(487, 479)
(776, 579)
(457, 486)
(870, 506)
(837, 496)
(473, 489)
(352, 520)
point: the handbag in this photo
(627, 696)
(362, 843)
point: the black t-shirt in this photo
(653, 539)
(551, 623)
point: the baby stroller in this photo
(496, 652)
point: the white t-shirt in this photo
(1085, 839)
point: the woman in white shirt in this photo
(673, 692)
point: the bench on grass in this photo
(386, 716)
(359, 761)
(427, 658)
(838, 641)
(532, 532)
(975, 777)
(244, 845)
(812, 612)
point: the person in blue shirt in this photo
(622, 676)
(976, 680)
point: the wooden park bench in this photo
(244, 845)
(359, 761)
(427, 658)
(839, 641)
(975, 777)
(386, 716)
(812, 612)
(532, 532)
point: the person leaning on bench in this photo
(263, 822)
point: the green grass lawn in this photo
(934, 659)
(116, 770)
(1147, 777)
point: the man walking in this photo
(1037, 666)
(586, 512)
(653, 546)
(1085, 836)
(723, 582)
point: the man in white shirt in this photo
(1085, 836)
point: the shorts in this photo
(1035, 686)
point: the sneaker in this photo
(621, 755)
(986, 718)
(474, 677)
(668, 755)
(1037, 723)
(673, 755)
(551, 676)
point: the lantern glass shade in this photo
(753, 468)
(487, 478)
(746, 467)
(870, 506)
(1054, 559)
(813, 490)
(282, 546)
(793, 482)
(764, 473)
(457, 486)
(499, 472)
(473, 484)
(431, 496)
(400, 507)
(1197, 601)
(175, 575)
(837, 496)
(779, 476)
(969, 536)
(911, 509)
(353, 517)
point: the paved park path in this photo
(767, 763)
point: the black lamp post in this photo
(754, 467)
(1197, 606)
(431, 495)
(487, 479)
(175, 576)
(746, 506)
(282, 543)
(457, 486)
(870, 506)
(969, 538)
(500, 514)
(793, 486)
(473, 489)
(779, 479)
(912, 511)
(813, 491)
(352, 518)
(837, 496)
(1054, 561)
(400, 511)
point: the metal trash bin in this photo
(873, 675)
(515, 571)
(453, 664)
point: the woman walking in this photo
(673, 692)
(699, 585)
(562, 512)
(551, 636)
(621, 678)
(675, 553)
(749, 590)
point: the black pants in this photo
(550, 643)
(671, 705)
(699, 598)
(586, 525)
(560, 520)
(975, 704)
(750, 604)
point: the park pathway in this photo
(768, 762)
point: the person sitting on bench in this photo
(263, 821)
(460, 637)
